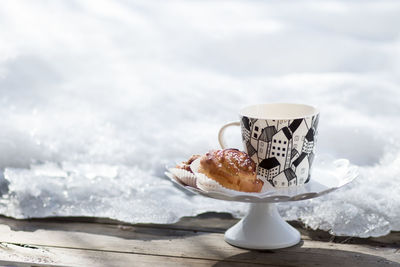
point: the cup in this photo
(280, 138)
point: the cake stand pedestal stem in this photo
(262, 228)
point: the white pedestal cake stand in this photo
(262, 227)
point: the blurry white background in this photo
(97, 96)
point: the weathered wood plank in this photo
(187, 244)
(208, 222)
(52, 256)
(13, 255)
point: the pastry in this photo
(232, 169)
(183, 173)
(186, 164)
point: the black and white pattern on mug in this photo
(282, 149)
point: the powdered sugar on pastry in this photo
(232, 169)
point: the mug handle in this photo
(221, 133)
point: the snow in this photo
(96, 97)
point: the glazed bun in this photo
(232, 169)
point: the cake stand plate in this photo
(262, 227)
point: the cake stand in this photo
(262, 227)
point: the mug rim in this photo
(312, 111)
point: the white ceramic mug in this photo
(280, 138)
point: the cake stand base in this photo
(262, 228)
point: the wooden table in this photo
(193, 241)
